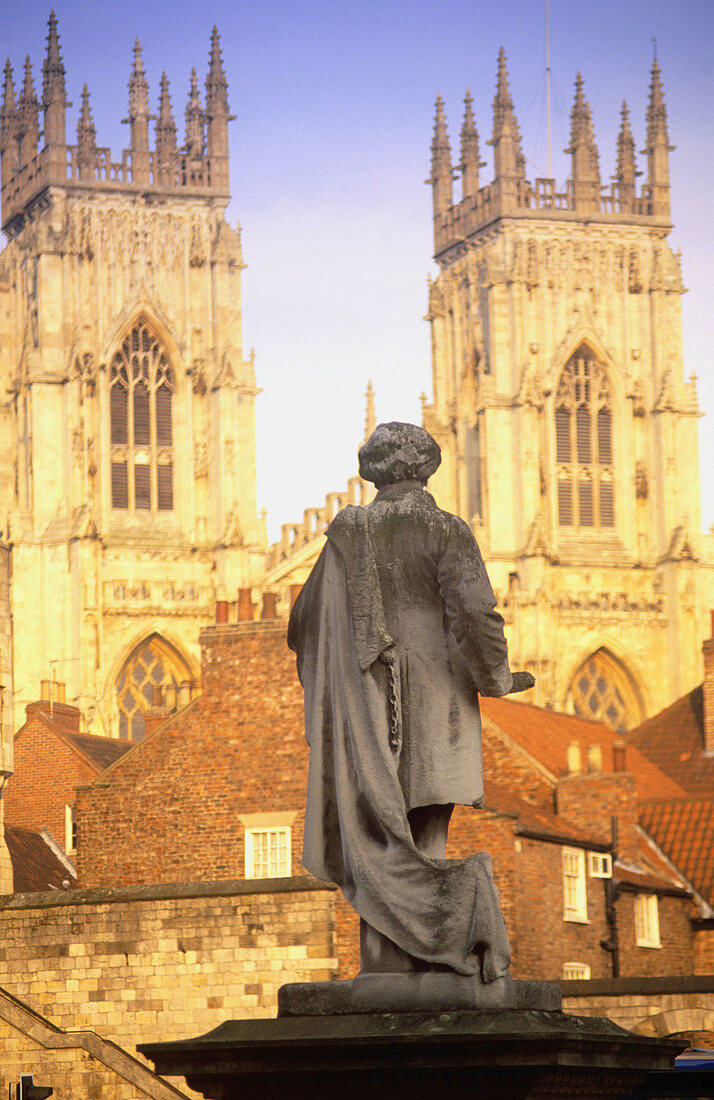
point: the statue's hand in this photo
(522, 681)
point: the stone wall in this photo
(649, 1006)
(160, 963)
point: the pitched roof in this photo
(36, 865)
(546, 734)
(674, 741)
(535, 821)
(101, 751)
(684, 830)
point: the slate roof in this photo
(101, 751)
(674, 741)
(546, 734)
(36, 866)
(685, 831)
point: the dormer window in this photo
(583, 443)
(141, 393)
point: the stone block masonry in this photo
(137, 965)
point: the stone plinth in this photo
(509, 1054)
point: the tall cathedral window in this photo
(583, 442)
(141, 395)
(602, 689)
(153, 669)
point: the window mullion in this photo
(130, 435)
(153, 452)
(575, 465)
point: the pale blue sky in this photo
(329, 151)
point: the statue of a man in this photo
(396, 633)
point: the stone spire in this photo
(509, 162)
(7, 113)
(217, 114)
(28, 109)
(657, 148)
(165, 133)
(86, 139)
(585, 171)
(138, 118)
(470, 157)
(370, 418)
(216, 83)
(193, 143)
(441, 170)
(626, 167)
(54, 94)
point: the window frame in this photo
(583, 977)
(599, 865)
(583, 436)
(252, 833)
(141, 363)
(646, 916)
(575, 910)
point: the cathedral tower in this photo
(127, 468)
(568, 429)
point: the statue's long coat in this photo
(396, 631)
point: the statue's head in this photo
(398, 452)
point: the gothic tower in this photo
(568, 429)
(127, 468)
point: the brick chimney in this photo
(53, 706)
(708, 690)
(591, 800)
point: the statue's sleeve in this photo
(470, 609)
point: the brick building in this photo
(52, 758)
(217, 791)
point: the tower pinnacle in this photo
(54, 95)
(509, 162)
(470, 159)
(217, 115)
(193, 142)
(583, 152)
(86, 139)
(139, 118)
(165, 134)
(626, 170)
(657, 146)
(7, 112)
(216, 83)
(28, 108)
(441, 170)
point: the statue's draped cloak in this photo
(357, 835)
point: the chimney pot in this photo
(221, 611)
(618, 757)
(246, 607)
(45, 689)
(594, 758)
(574, 758)
(270, 605)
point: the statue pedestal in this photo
(506, 1053)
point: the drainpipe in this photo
(611, 893)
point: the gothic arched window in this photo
(141, 392)
(583, 443)
(602, 689)
(153, 669)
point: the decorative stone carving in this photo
(642, 490)
(200, 460)
(226, 375)
(198, 374)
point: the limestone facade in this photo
(128, 478)
(568, 429)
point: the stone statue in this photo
(395, 633)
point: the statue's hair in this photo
(398, 452)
